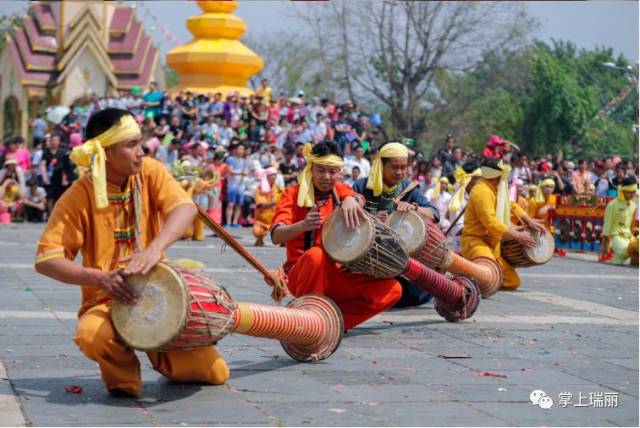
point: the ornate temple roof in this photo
(42, 47)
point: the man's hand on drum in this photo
(406, 206)
(383, 216)
(351, 211)
(313, 220)
(536, 224)
(114, 285)
(141, 261)
(525, 238)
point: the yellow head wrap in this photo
(503, 208)
(627, 188)
(542, 183)
(91, 154)
(463, 179)
(306, 196)
(437, 189)
(533, 187)
(391, 150)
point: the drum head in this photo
(543, 252)
(346, 245)
(410, 226)
(160, 313)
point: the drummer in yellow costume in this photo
(544, 201)
(618, 218)
(121, 217)
(487, 220)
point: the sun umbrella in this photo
(57, 113)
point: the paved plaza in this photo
(570, 331)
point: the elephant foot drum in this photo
(178, 309)
(519, 256)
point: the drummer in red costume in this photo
(298, 224)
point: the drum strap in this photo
(405, 192)
(309, 235)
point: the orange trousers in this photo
(120, 367)
(358, 296)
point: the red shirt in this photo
(288, 212)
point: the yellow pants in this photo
(623, 249)
(195, 232)
(473, 248)
(120, 367)
(632, 249)
(260, 229)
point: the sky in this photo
(588, 24)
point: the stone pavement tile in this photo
(482, 393)
(607, 352)
(257, 362)
(326, 414)
(411, 392)
(37, 350)
(73, 361)
(379, 414)
(529, 414)
(629, 363)
(262, 387)
(19, 339)
(41, 324)
(602, 375)
(502, 364)
(429, 414)
(46, 403)
(210, 405)
(55, 329)
(629, 388)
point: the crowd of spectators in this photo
(232, 140)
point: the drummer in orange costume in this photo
(298, 223)
(487, 220)
(113, 217)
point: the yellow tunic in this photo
(264, 216)
(618, 217)
(483, 231)
(104, 236)
(534, 207)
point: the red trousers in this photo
(358, 296)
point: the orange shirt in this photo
(265, 215)
(288, 212)
(104, 236)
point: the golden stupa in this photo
(215, 60)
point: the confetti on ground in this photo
(74, 389)
(491, 374)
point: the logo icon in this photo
(539, 397)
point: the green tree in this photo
(171, 77)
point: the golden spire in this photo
(215, 60)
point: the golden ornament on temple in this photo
(215, 60)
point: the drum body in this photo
(177, 310)
(517, 255)
(372, 249)
(427, 244)
(423, 238)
